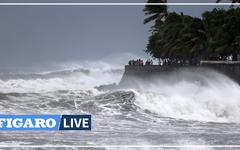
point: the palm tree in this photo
(155, 12)
(178, 36)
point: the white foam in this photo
(214, 97)
(72, 81)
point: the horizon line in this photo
(118, 4)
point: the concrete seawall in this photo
(133, 74)
(229, 68)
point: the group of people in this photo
(176, 61)
(179, 62)
(226, 57)
(164, 62)
(138, 62)
(149, 62)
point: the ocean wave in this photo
(77, 79)
(207, 96)
(200, 96)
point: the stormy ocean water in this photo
(192, 111)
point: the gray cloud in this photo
(34, 35)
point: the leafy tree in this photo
(155, 12)
(179, 36)
(185, 37)
(223, 28)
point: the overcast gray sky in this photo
(34, 35)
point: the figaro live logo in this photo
(45, 122)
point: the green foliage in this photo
(223, 29)
(185, 37)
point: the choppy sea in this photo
(205, 111)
